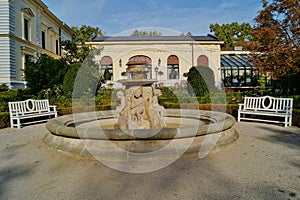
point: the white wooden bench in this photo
(30, 111)
(275, 108)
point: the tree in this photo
(83, 77)
(145, 33)
(76, 50)
(84, 33)
(45, 73)
(188, 34)
(277, 31)
(201, 81)
(234, 34)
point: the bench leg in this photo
(239, 116)
(18, 123)
(290, 120)
(286, 121)
(11, 123)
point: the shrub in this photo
(296, 117)
(87, 83)
(45, 73)
(201, 80)
(69, 79)
(4, 119)
(12, 95)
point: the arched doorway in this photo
(143, 58)
(173, 67)
(106, 68)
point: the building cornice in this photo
(30, 47)
(44, 8)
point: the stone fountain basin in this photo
(71, 133)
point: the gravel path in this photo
(263, 164)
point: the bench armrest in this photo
(53, 107)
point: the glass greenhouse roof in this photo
(236, 61)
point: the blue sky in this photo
(179, 16)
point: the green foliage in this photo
(107, 75)
(45, 73)
(71, 51)
(87, 83)
(55, 96)
(289, 84)
(3, 87)
(76, 50)
(84, 33)
(232, 33)
(201, 80)
(296, 117)
(145, 33)
(296, 101)
(4, 119)
(188, 34)
(12, 95)
(262, 86)
(69, 79)
(167, 92)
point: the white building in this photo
(27, 28)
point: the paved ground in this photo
(263, 164)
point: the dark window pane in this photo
(43, 40)
(26, 29)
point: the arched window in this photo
(202, 61)
(173, 67)
(142, 58)
(106, 68)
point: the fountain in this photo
(140, 130)
(139, 107)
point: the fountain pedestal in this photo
(139, 108)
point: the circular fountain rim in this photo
(65, 126)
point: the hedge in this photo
(230, 109)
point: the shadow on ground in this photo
(288, 137)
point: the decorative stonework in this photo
(139, 108)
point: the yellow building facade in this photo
(168, 57)
(27, 29)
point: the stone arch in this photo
(143, 58)
(203, 61)
(106, 67)
(173, 67)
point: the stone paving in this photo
(263, 164)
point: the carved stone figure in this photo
(139, 108)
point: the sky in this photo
(170, 17)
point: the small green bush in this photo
(12, 95)
(296, 117)
(4, 119)
(45, 73)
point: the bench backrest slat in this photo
(267, 103)
(28, 106)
